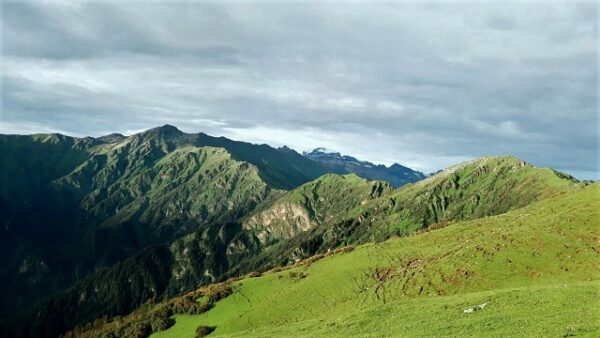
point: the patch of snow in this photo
(324, 150)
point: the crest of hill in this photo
(475, 189)
(312, 204)
(280, 168)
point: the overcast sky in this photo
(425, 85)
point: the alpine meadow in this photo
(299, 169)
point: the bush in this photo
(142, 329)
(297, 275)
(203, 331)
(155, 317)
(160, 323)
(217, 292)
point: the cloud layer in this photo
(426, 85)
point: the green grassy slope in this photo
(536, 268)
(312, 204)
(158, 179)
(483, 187)
(175, 194)
(203, 256)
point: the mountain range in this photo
(335, 162)
(94, 228)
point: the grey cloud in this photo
(425, 84)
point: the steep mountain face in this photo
(205, 256)
(484, 187)
(36, 219)
(312, 204)
(157, 272)
(281, 168)
(71, 205)
(396, 174)
(170, 190)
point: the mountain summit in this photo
(398, 175)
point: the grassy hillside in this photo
(177, 193)
(536, 269)
(201, 257)
(175, 211)
(72, 205)
(312, 204)
(483, 187)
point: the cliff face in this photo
(313, 204)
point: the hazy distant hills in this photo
(396, 174)
(95, 227)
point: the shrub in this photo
(141, 329)
(159, 323)
(203, 331)
(217, 292)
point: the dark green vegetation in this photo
(396, 174)
(213, 253)
(93, 228)
(312, 205)
(70, 206)
(529, 272)
(157, 317)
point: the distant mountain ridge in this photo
(397, 175)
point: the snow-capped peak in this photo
(323, 150)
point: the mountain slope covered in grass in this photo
(183, 190)
(297, 224)
(474, 189)
(106, 224)
(312, 204)
(483, 187)
(204, 256)
(201, 257)
(529, 272)
(72, 205)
